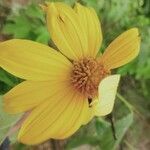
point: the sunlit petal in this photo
(66, 31)
(58, 117)
(92, 28)
(29, 94)
(33, 61)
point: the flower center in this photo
(86, 76)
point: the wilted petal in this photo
(107, 93)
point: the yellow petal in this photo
(29, 94)
(122, 50)
(107, 93)
(66, 31)
(54, 118)
(82, 119)
(71, 122)
(33, 61)
(89, 113)
(92, 28)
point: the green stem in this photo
(131, 108)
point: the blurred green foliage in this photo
(28, 22)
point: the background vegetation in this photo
(24, 19)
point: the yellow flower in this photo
(65, 89)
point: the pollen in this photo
(86, 76)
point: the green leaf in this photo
(42, 35)
(8, 78)
(81, 140)
(19, 28)
(6, 121)
(107, 141)
(104, 137)
(7, 81)
(101, 126)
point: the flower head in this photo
(65, 89)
